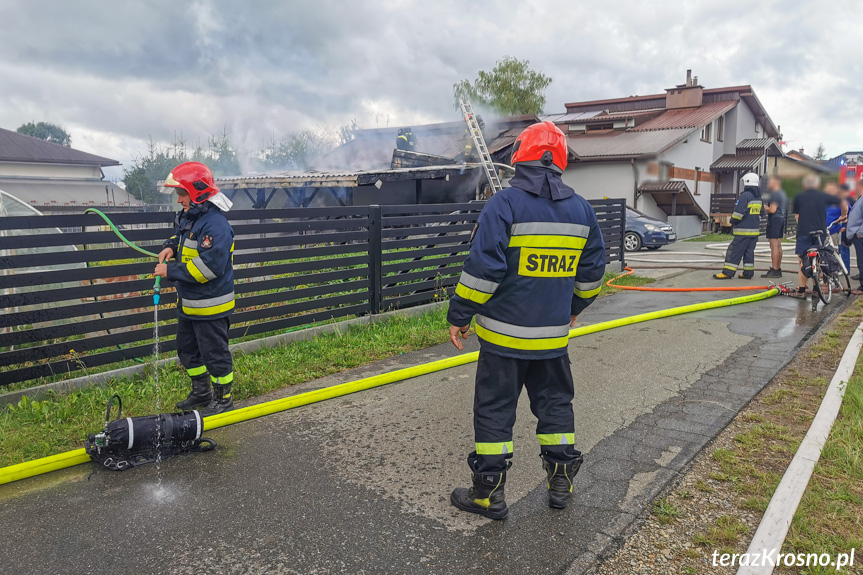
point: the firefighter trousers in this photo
(741, 247)
(499, 381)
(202, 346)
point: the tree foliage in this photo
(294, 151)
(511, 88)
(820, 152)
(48, 132)
(148, 169)
(347, 131)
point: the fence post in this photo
(622, 234)
(375, 255)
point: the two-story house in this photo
(670, 154)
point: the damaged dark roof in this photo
(372, 149)
(15, 147)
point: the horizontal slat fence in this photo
(611, 215)
(80, 299)
(723, 205)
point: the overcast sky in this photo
(115, 73)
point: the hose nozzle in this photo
(157, 291)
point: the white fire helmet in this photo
(749, 180)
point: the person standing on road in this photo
(536, 261)
(745, 227)
(202, 249)
(776, 206)
(834, 214)
(854, 234)
(810, 210)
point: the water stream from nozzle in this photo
(156, 295)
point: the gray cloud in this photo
(116, 74)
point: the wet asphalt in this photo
(360, 484)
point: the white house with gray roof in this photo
(56, 179)
(669, 154)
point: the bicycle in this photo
(827, 268)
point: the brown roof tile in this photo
(626, 144)
(687, 117)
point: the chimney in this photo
(688, 95)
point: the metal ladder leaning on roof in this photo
(479, 144)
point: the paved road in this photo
(360, 484)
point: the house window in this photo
(705, 132)
(600, 127)
(720, 128)
(666, 169)
(757, 128)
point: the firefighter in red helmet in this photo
(198, 258)
(536, 261)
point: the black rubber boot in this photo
(200, 395)
(222, 400)
(485, 497)
(560, 476)
(747, 275)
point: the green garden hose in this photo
(119, 234)
(157, 287)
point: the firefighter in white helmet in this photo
(745, 227)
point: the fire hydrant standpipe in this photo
(78, 456)
(157, 286)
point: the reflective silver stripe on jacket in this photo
(737, 215)
(550, 229)
(213, 301)
(193, 244)
(131, 432)
(587, 286)
(472, 282)
(202, 267)
(522, 331)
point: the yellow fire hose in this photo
(78, 456)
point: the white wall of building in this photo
(690, 154)
(746, 125)
(46, 170)
(598, 180)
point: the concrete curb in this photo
(245, 347)
(776, 521)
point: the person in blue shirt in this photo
(854, 234)
(536, 261)
(836, 221)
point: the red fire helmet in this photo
(195, 178)
(542, 145)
